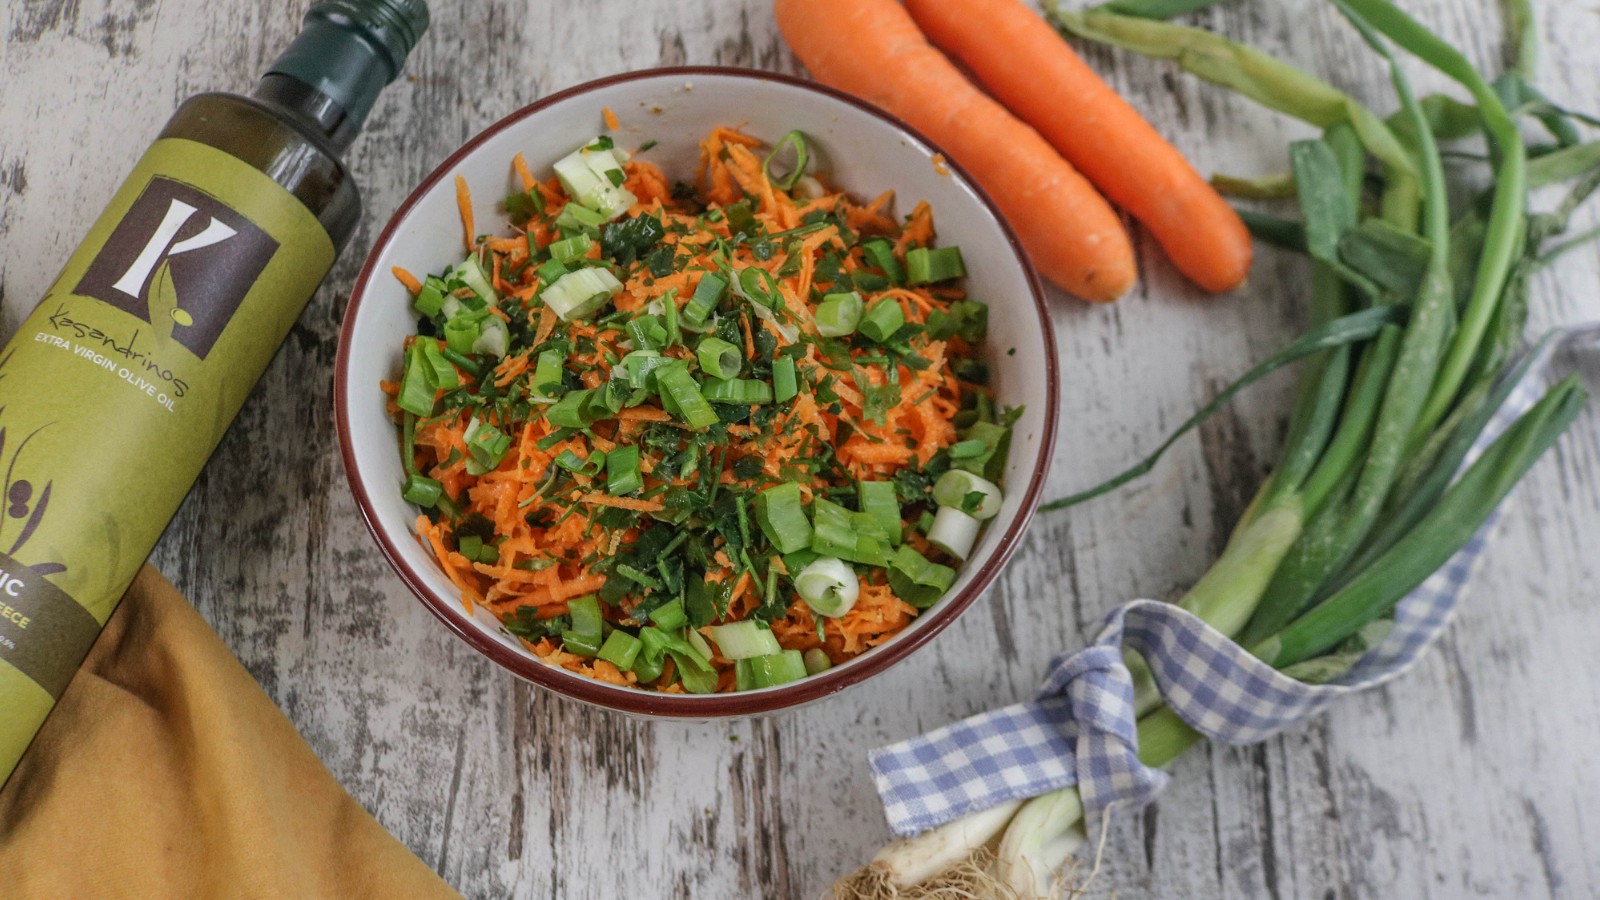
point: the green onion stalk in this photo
(1416, 311)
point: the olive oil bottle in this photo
(117, 388)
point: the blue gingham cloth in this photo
(1080, 727)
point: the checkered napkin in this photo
(1080, 727)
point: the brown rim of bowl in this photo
(654, 703)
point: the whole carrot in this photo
(1024, 63)
(872, 49)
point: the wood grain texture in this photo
(1468, 778)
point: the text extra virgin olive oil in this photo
(116, 389)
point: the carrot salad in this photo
(699, 436)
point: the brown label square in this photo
(181, 260)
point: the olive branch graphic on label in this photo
(17, 495)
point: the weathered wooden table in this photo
(1473, 776)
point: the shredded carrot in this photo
(464, 204)
(644, 414)
(611, 119)
(408, 279)
(524, 174)
(623, 502)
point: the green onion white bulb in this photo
(954, 531)
(955, 487)
(829, 586)
(578, 294)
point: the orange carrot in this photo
(464, 204)
(611, 119)
(408, 279)
(524, 174)
(872, 48)
(623, 502)
(1056, 92)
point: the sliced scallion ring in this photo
(829, 586)
(744, 639)
(962, 490)
(797, 170)
(954, 531)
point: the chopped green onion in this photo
(577, 465)
(570, 411)
(583, 638)
(738, 391)
(926, 265)
(547, 378)
(622, 470)
(578, 294)
(486, 447)
(960, 489)
(575, 219)
(817, 661)
(621, 649)
(593, 176)
(744, 678)
(968, 318)
(782, 517)
(837, 531)
(744, 639)
(829, 586)
(638, 577)
(758, 286)
(670, 616)
(647, 332)
(648, 668)
(967, 449)
(677, 385)
(493, 338)
(785, 380)
(639, 367)
(718, 358)
(470, 546)
(797, 170)
(707, 294)
(442, 375)
(422, 490)
(879, 500)
(550, 272)
(991, 462)
(883, 320)
(778, 668)
(461, 333)
(416, 394)
(570, 249)
(669, 316)
(698, 642)
(916, 580)
(462, 362)
(880, 253)
(554, 438)
(839, 314)
(470, 272)
(954, 531)
(430, 300)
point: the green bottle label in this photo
(116, 389)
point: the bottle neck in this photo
(329, 77)
(312, 107)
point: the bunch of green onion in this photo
(1418, 310)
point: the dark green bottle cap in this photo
(350, 49)
(395, 25)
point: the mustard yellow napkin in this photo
(167, 772)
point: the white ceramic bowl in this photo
(864, 150)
